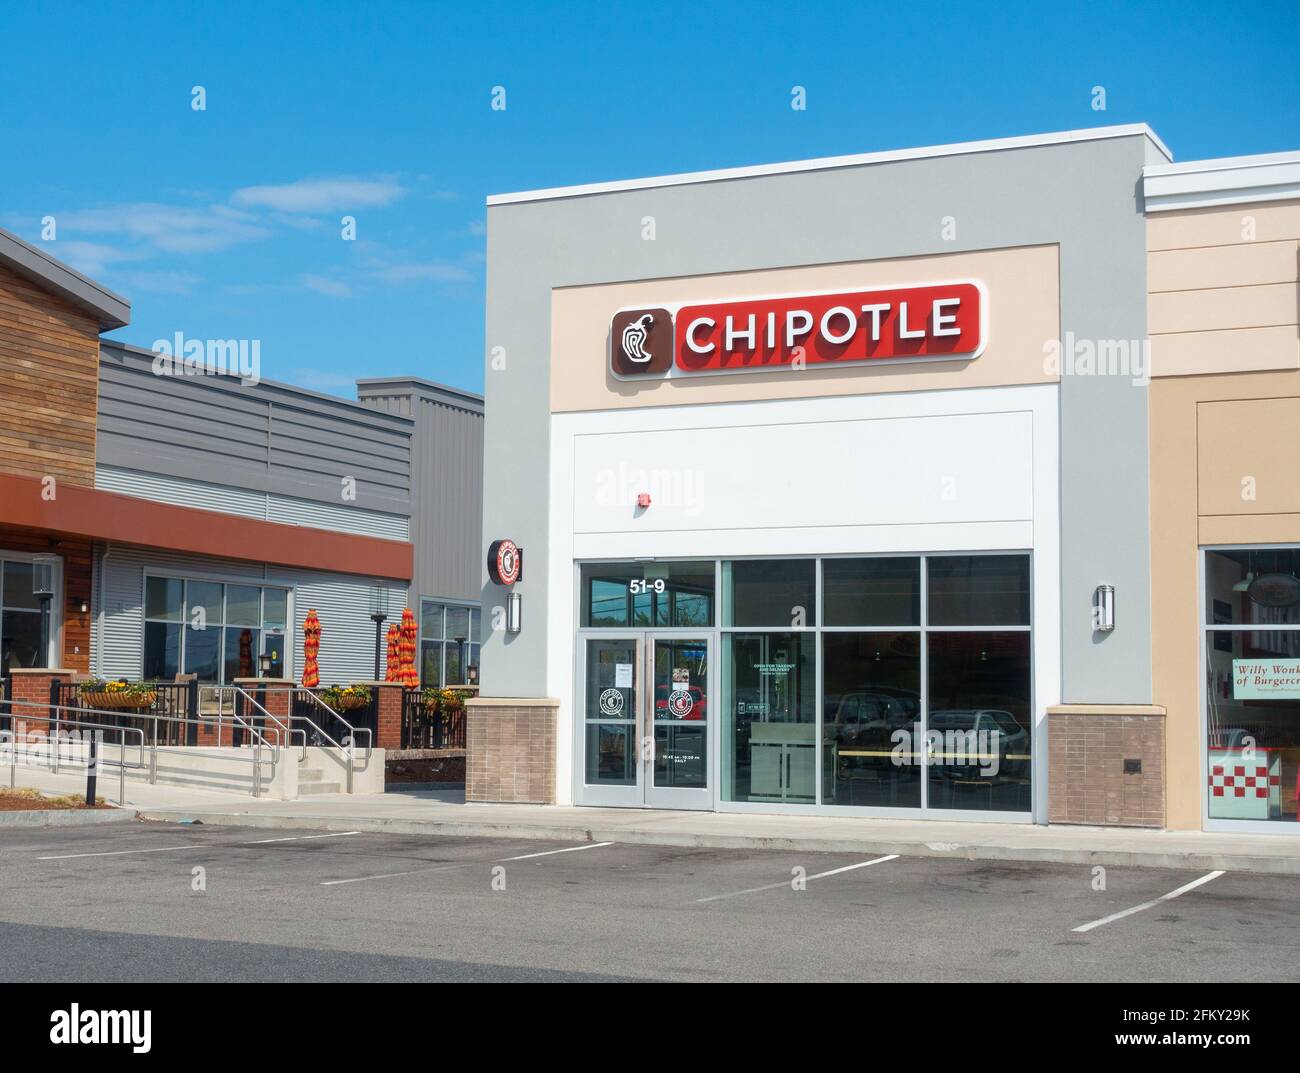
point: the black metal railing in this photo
(168, 698)
(427, 726)
(306, 712)
(6, 695)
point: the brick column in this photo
(1106, 764)
(32, 685)
(388, 699)
(510, 749)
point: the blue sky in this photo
(225, 223)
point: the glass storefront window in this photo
(871, 719)
(449, 643)
(779, 593)
(17, 587)
(979, 724)
(769, 722)
(871, 592)
(869, 682)
(20, 619)
(211, 629)
(1252, 684)
(978, 590)
(164, 599)
(646, 595)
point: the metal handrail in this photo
(258, 740)
(283, 733)
(352, 731)
(348, 751)
(11, 738)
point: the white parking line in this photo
(462, 864)
(301, 838)
(1147, 905)
(787, 882)
(196, 845)
(551, 852)
(396, 875)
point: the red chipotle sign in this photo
(927, 322)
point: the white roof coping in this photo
(1226, 181)
(827, 163)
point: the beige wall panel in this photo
(1274, 221)
(1247, 265)
(1023, 313)
(1218, 309)
(1255, 441)
(1250, 529)
(1239, 350)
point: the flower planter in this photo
(128, 701)
(350, 704)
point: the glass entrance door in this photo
(645, 733)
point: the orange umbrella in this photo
(311, 649)
(393, 664)
(407, 675)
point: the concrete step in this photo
(309, 774)
(307, 789)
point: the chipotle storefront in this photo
(818, 525)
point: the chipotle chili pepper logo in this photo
(641, 342)
(924, 322)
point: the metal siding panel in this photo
(347, 642)
(274, 435)
(276, 508)
(339, 518)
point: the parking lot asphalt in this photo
(162, 902)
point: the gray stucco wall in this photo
(446, 481)
(1082, 195)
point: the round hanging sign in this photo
(1275, 590)
(505, 562)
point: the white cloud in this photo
(321, 195)
(324, 285)
(90, 258)
(169, 228)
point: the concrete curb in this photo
(66, 817)
(969, 851)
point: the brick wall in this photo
(1088, 746)
(510, 747)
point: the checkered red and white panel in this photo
(1240, 780)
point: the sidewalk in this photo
(444, 813)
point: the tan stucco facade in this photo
(1023, 285)
(1225, 434)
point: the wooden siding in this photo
(49, 376)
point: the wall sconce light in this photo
(1103, 608)
(83, 607)
(514, 612)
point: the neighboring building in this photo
(850, 493)
(192, 521)
(446, 518)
